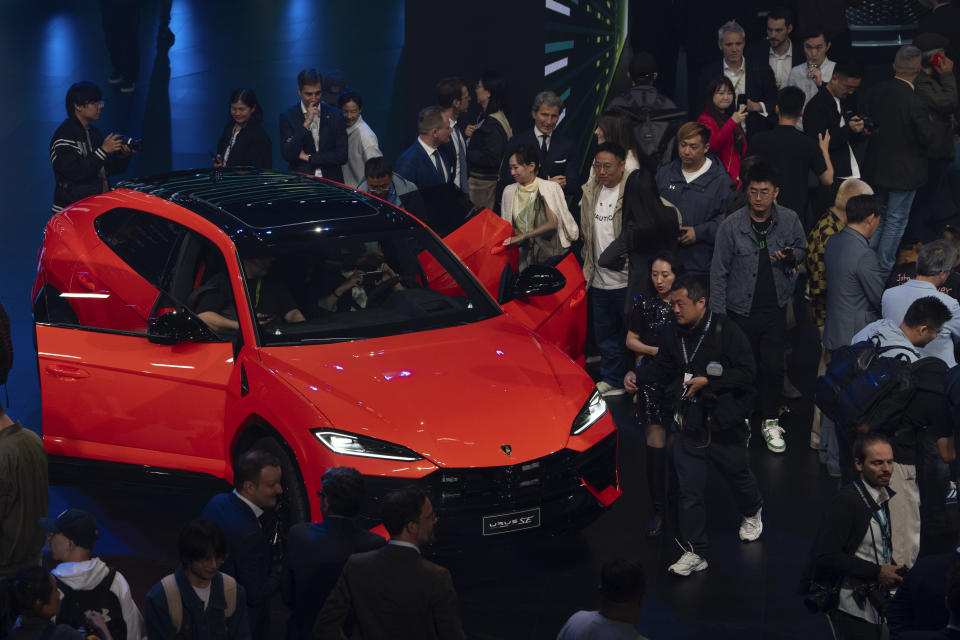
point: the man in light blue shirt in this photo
(934, 262)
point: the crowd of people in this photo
(788, 199)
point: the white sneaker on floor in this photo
(607, 390)
(751, 527)
(773, 435)
(688, 563)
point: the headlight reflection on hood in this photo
(592, 411)
(350, 444)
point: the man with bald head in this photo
(896, 157)
(831, 223)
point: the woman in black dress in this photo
(244, 143)
(651, 313)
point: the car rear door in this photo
(560, 318)
(108, 392)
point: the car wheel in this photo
(292, 506)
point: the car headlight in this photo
(350, 444)
(592, 411)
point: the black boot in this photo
(657, 484)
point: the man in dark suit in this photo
(393, 591)
(558, 158)
(825, 113)
(780, 49)
(424, 163)
(753, 78)
(313, 137)
(944, 19)
(895, 162)
(247, 518)
(316, 553)
(454, 98)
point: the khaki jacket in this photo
(588, 205)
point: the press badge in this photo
(687, 377)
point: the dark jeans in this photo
(729, 454)
(848, 627)
(121, 24)
(610, 332)
(766, 331)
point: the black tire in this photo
(293, 506)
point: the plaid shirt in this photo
(828, 225)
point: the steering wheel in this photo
(382, 291)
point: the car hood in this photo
(454, 395)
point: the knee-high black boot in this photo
(657, 485)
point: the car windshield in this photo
(329, 289)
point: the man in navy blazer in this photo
(424, 163)
(454, 98)
(247, 518)
(558, 158)
(313, 136)
(316, 553)
(752, 78)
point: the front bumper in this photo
(570, 489)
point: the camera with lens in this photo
(868, 124)
(135, 144)
(821, 598)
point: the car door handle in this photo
(578, 299)
(66, 371)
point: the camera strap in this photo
(688, 360)
(882, 517)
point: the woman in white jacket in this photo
(537, 209)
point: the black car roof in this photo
(253, 205)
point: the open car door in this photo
(560, 318)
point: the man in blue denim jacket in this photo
(752, 278)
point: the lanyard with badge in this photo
(678, 415)
(882, 517)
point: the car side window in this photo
(113, 286)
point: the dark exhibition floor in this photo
(511, 591)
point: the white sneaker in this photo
(607, 390)
(751, 527)
(688, 563)
(773, 435)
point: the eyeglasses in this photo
(604, 167)
(93, 104)
(759, 193)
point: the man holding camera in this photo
(706, 364)
(752, 278)
(81, 157)
(851, 568)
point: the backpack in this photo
(175, 603)
(77, 602)
(655, 129)
(863, 387)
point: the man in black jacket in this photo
(753, 79)
(316, 553)
(896, 158)
(826, 113)
(313, 136)
(81, 157)
(247, 517)
(706, 364)
(852, 551)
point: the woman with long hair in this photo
(613, 127)
(488, 140)
(650, 224)
(651, 313)
(723, 118)
(244, 143)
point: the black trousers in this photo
(848, 627)
(766, 331)
(121, 25)
(728, 452)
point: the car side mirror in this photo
(538, 280)
(176, 327)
